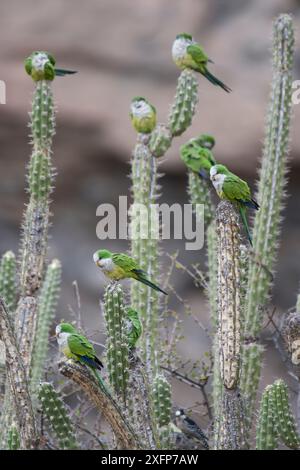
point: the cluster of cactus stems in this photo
(137, 400)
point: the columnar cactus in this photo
(47, 304)
(276, 421)
(13, 440)
(184, 106)
(266, 433)
(285, 421)
(117, 341)
(229, 302)
(8, 285)
(40, 179)
(161, 393)
(58, 416)
(36, 218)
(271, 184)
(161, 400)
(250, 373)
(144, 245)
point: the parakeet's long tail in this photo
(215, 81)
(63, 72)
(95, 363)
(245, 223)
(150, 284)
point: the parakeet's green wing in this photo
(236, 188)
(80, 346)
(124, 261)
(197, 54)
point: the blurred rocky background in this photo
(122, 49)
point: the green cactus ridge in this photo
(285, 421)
(266, 433)
(184, 106)
(161, 400)
(57, 415)
(13, 439)
(8, 283)
(117, 348)
(39, 176)
(42, 116)
(47, 305)
(252, 355)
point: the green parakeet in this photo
(196, 158)
(117, 266)
(143, 115)
(75, 346)
(134, 327)
(40, 65)
(229, 186)
(187, 53)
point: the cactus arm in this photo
(47, 304)
(57, 415)
(271, 193)
(8, 284)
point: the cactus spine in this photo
(8, 286)
(57, 415)
(47, 304)
(117, 342)
(271, 188)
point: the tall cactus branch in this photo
(270, 196)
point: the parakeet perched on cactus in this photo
(134, 327)
(197, 158)
(117, 266)
(143, 115)
(75, 346)
(190, 428)
(187, 53)
(40, 65)
(229, 186)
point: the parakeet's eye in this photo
(138, 105)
